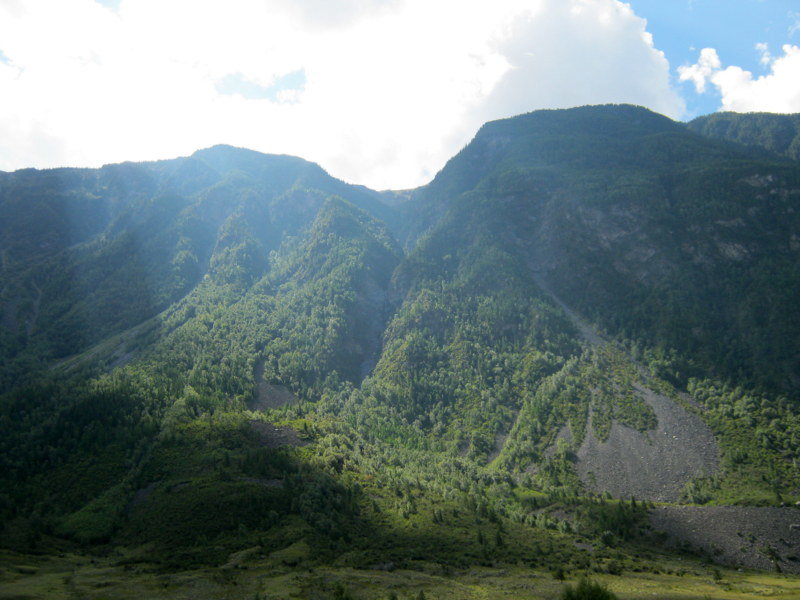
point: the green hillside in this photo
(233, 361)
(779, 134)
(87, 254)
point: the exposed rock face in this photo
(373, 303)
(654, 465)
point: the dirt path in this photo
(587, 331)
(752, 537)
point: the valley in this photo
(251, 575)
(575, 352)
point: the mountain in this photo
(779, 134)
(235, 359)
(657, 234)
(91, 253)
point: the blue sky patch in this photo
(238, 84)
(681, 28)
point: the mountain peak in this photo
(605, 119)
(225, 158)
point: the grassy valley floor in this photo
(284, 574)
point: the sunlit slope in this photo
(253, 361)
(88, 253)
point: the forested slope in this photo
(442, 364)
(89, 253)
(777, 133)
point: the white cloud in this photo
(777, 91)
(766, 56)
(392, 88)
(698, 73)
(577, 52)
(327, 13)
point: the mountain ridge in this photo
(775, 133)
(442, 364)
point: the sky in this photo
(378, 92)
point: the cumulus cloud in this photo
(389, 90)
(578, 52)
(702, 70)
(766, 56)
(777, 91)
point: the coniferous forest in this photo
(568, 367)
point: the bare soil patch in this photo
(654, 465)
(738, 536)
(272, 436)
(268, 395)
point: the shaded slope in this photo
(112, 247)
(170, 420)
(653, 231)
(755, 538)
(682, 246)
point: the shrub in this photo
(587, 590)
